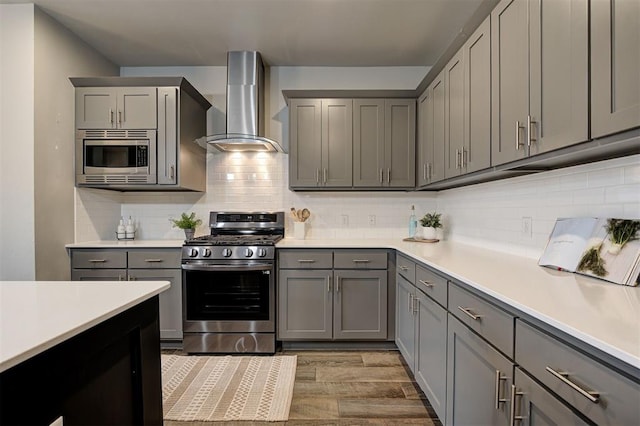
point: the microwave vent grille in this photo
(137, 179)
(116, 134)
(94, 179)
(137, 133)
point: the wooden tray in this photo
(413, 240)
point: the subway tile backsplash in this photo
(488, 214)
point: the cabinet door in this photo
(405, 320)
(96, 107)
(137, 108)
(536, 406)
(454, 115)
(360, 305)
(98, 274)
(478, 379)
(400, 142)
(477, 99)
(438, 161)
(305, 152)
(170, 300)
(167, 135)
(425, 136)
(337, 142)
(305, 301)
(559, 75)
(431, 352)
(510, 80)
(615, 66)
(368, 142)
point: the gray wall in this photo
(58, 55)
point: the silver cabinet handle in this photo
(530, 131)
(328, 283)
(410, 305)
(426, 283)
(499, 378)
(518, 143)
(306, 261)
(404, 268)
(564, 377)
(381, 175)
(429, 171)
(468, 312)
(424, 171)
(317, 176)
(110, 115)
(361, 261)
(416, 305)
(153, 260)
(97, 260)
(132, 278)
(457, 158)
(388, 175)
(464, 156)
(172, 172)
(119, 116)
(120, 278)
(324, 175)
(338, 284)
(513, 417)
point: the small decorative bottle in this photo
(121, 232)
(413, 223)
(130, 230)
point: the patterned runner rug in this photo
(226, 388)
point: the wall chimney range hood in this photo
(245, 107)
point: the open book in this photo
(604, 248)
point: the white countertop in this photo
(602, 314)
(128, 244)
(37, 315)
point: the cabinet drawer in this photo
(483, 317)
(98, 259)
(544, 356)
(406, 268)
(305, 259)
(346, 259)
(156, 259)
(432, 284)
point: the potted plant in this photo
(430, 222)
(188, 223)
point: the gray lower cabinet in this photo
(431, 352)
(319, 300)
(479, 379)
(137, 264)
(615, 66)
(534, 405)
(405, 321)
(305, 305)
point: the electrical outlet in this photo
(526, 227)
(372, 220)
(345, 220)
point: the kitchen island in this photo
(84, 351)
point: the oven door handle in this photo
(200, 267)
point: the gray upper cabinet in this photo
(539, 77)
(116, 108)
(425, 136)
(400, 142)
(431, 133)
(454, 116)
(321, 143)
(437, 169)
(368, 142)
(615, 66)
(476, 149)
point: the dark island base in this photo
(107, 375)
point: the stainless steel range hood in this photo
(245, 107)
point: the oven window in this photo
(227, 296)
(111, 156)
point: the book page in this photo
(568, 241)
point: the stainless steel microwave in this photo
(116, 157)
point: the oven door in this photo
(228, 298)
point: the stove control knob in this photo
(262, 252)
(226, 252)
(206, 252)
(248, 253)
(193, 252)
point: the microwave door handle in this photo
(232, 268)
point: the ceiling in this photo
(286, 32)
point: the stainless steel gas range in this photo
(228, 280)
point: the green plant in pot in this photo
(188, 223)
(430, 222)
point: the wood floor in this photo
(350, 388)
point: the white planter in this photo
(429, 233)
